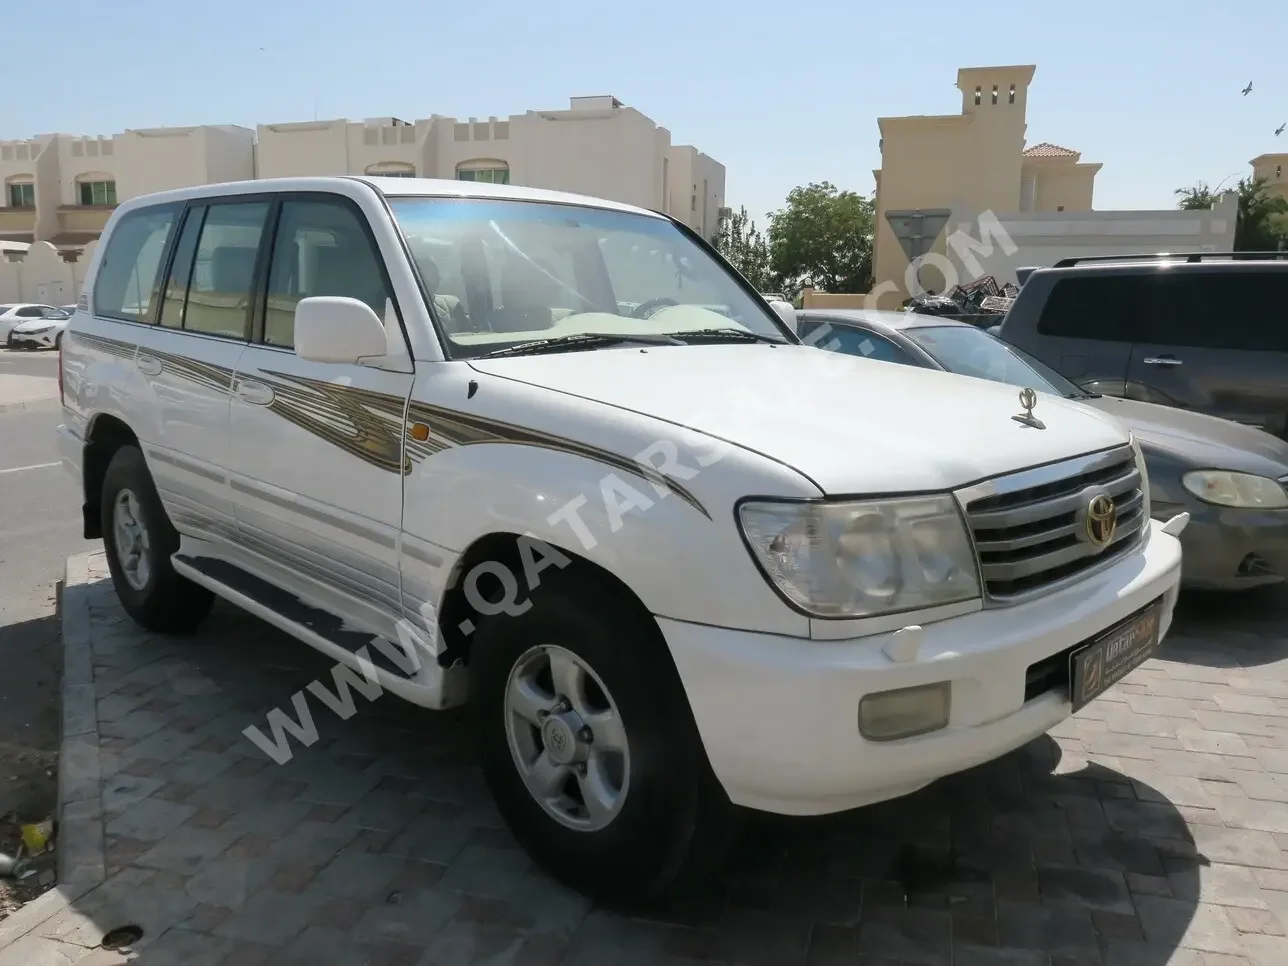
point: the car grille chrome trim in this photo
(1028, 528)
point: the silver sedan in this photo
(1231, 479)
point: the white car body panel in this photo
(876, 422)
(803, 757)
(515, 445)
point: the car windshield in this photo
(969, 351)
(504, 273)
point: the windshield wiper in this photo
(582, 340)
(735, 335)
(1082, 395)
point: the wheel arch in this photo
(104, 435)
(458, 616)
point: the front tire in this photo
(139, 540)
(590, 749)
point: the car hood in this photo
(851, 425)
(1198, 439)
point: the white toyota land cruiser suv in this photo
(549, 455)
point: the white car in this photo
(15, 313)
(42, 333)
(492, 445)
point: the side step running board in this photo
(287, 612)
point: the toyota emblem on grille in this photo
(1102, 521)
(1028, 400)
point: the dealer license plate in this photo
(1100, 665)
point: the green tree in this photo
(1260, 223)
(1197, 197)
(743, 246)
(822, 236)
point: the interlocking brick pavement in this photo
(1151, 829)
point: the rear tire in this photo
(139, 540)
(662, 822)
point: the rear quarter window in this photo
(1242, 310)
(127, 284)
(1099, 307)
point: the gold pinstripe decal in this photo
(456, 428)
(365, 424)
(371, 426)
(113, 347)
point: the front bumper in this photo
(778, 715)
(33, 340)
(1231, 549)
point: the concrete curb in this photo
(82, 861)
(30, 405)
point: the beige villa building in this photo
(1274, 168)
(945, 175)
(61, 188)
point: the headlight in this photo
(1236, 489)
(36, 331)
(864, 558)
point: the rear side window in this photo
(1218, 310)
(127, 281)
(223, 271)
(853, 342)
(1101, 307)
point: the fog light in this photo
(905, 712)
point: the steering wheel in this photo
(645, 309)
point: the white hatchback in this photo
(550, 456)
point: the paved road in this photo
(1149, 830)
(39, 527)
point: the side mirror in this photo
(330, 328)
(786, 312)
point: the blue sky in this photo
(782, 94)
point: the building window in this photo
(994, 93)
(97, 192)
(22, 195)
(1011, 95)
(1279, 170)
(391, 169)
(1059, 207)
(486, 172)
(978, 94)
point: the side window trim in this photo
(192, 210)
(258, 307)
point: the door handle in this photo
(148, 365)
(1161, 361)
(254, 393)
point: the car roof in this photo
(1210, 263)
(883, 319)
(391, 188)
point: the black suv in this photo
(1200, 331)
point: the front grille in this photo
(1030, 528)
